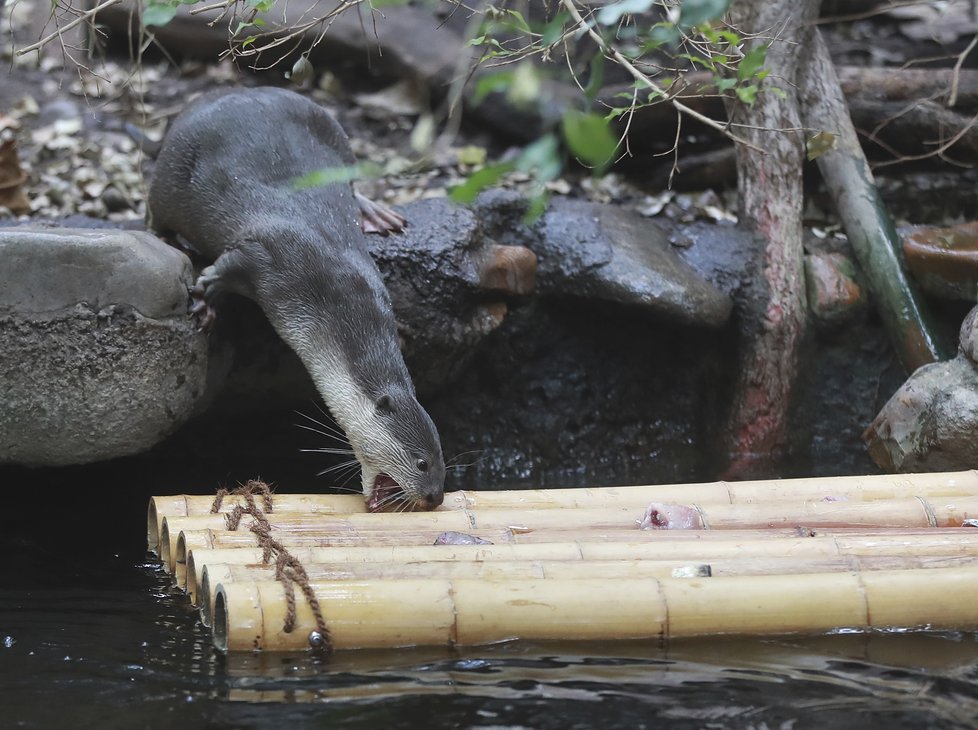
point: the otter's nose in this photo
(433, 500)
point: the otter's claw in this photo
(377, 217)
(205, 288)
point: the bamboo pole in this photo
(851, 488)
(189, 505)
(386, 613)
(352, 529)
(940, 543)
(593, 539)
(174, 561)
(215, 574)
(898, 513)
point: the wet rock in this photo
(930, 423)
(834, 294)
(97, 354)
(450, 286)
(968, 337)
(603, 252)
(945, 260)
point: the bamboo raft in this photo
(764, 557)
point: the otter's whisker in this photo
(452, 462)
(342, 466)
(327, 450)
(322, 427)
(344, 490)
(321, 432)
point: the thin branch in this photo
(64, 29)
(642, 78)
(881, 10)
(953, 98)
(938, 152)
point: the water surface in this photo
(92, 636)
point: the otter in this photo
(225, 182)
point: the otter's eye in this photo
(422, 465)
(385, 404)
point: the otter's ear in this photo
(385, 404)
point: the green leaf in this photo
(541, 158)
(158, 14)
(730, 37)
(723, 84)
(747, 94)
(478, 181)
(515, 19)
(490, 83)
(589, 137)
(472, 155)
(596, 78)
(553, 30)
(819, 144)
(698, 60)
(328, 176)
(696, 12)
(611, 14)
(524, 86)
(752, 61)
(537, 206)
(423, 134)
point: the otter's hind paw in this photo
(378, 218)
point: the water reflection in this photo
(912, 680)
(133, 655)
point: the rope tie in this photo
(288, 570)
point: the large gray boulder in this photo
(98, 358)
(931, 422)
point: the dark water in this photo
(91, 636)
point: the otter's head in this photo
(401, 458)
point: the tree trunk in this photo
(771, 199)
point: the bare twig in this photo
(65, 28)
(953, 98)
(939, 152)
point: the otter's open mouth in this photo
(385, 493)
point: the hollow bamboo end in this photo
(164, 547)
(205, 600)
(211, 576)
(180, 562)
(152, 527)
(239, 618)
(192, 583)
(220, 624)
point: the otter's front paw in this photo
(201, 296)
